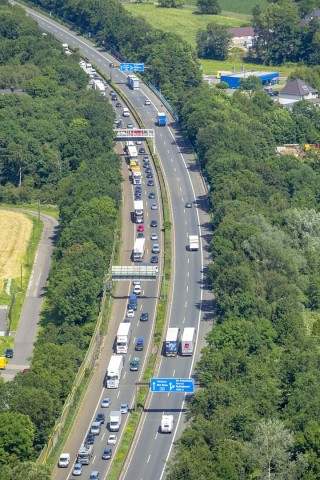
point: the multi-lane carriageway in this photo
(190, 301)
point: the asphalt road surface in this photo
(31, 310)
(191, 304)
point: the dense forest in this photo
(257, 412)
(56, 145)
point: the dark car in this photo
(188, 205)
(8, 353)
(142, 150)
(146, 159)
(100, 417)
(144, 317)
(139, 345)
(107, 454)
(138, 196)
(149, 175)
(140, 235)
(118, 105)
(150, 183)
(154, 259)
(134, 364)
(90, 439)
(153, 223)
(152, 195)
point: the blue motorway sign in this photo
(184, 385)
(131, 67)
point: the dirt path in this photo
(15, 233)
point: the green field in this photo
(243, 7)
(180, 21)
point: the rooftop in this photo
(241, 31)
(297, 87)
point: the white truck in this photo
(99, 86)
(85, 454)
(138, 210)
(166, 425)
(193, 243)
(114, 371)
(126, 112)
(123, 337)
(132, 152)
(115, 421)
(133, 82)
(138, 250)
(188, 341)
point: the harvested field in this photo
(15, 233)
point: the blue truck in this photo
(162, 119)
(133, 301)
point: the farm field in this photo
(16, 230)
(243, 7)
(180, 21)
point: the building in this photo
(242, 36)
(296, 90)
(314, 14)
(267, 78)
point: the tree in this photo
(209, 7)
(16, 437)
(271, 448)
(171, 3)
(214, 42)
(250, 83)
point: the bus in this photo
(172, 342)
(114, 371)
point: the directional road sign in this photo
(184, 385)
(131, 67)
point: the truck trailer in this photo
(172, 342)
(188, 341)
(114, 371)
(161, 119)
(138, 250)
(166, 425)
(134, 82)
(123, 337)
(136, 175)
(138, 210)
(193, 243)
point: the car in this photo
(139, 220)
(150, 183)
(144, 317)
(137, 289)
(8, 353)
(126, 320)
(154, 259)
(118, 105)
(139, 345)
(147, 102)
(114, 97)
(154, 206)
(149, 175)
(138, 196)
(129, 125)
(139, 142)
(140, 235)
(124, 408)
(147, 168)
(112, 439)
(77, 469)
(100, 417)
(140, 228)
(130, 313)
(64, 460)
(152, 195)
(146, 158)
(89, 439)
(134, 364)
(142, 150)
(95, 428)
(156, 248)
(94, 475)
(136, 282)
(107, 454)
(188, 205)
(105, 403)
(153, 223)
(154, 236)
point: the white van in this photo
(64, 460)
(126, 112)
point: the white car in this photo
(105, 403)
(137, 289)
(77, 470)
(136, 282)
(147, 102)
(124, 408)
(112, 440)
(139, 142)
(154, 236)
(64, 460)
(156, 248)
(130, 313)
(154, 206)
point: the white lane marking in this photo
(187, 287)
(118, 394)
(184, 319)
(174, 371)
(94, 458)
(148, 458)
(103, 436)
(156, 436)
(188, 274)
(185, 304)
(124, 375)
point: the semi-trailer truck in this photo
(138, 250)
(162, 119)
(172, 342)
(188, 341)
(193, 243)
(123, 337)
(114, 371)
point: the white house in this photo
(241, 36)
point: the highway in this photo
(191, 303)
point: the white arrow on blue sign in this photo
(131, 67)
(180, 385)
